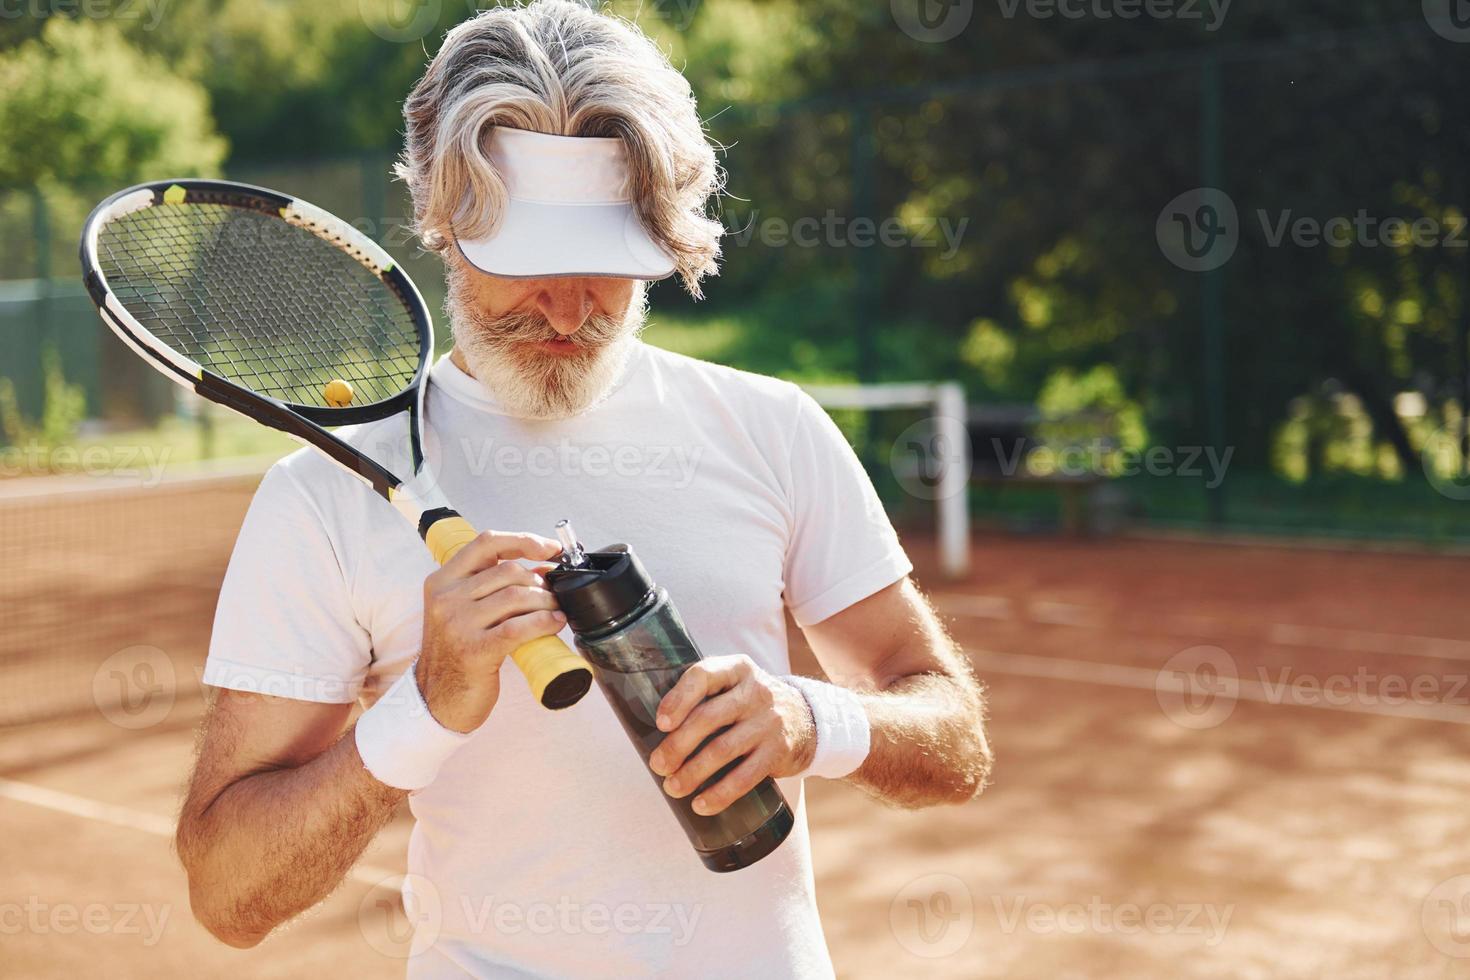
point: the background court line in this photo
(1050, 613)
(1148, 679)
(122, 816)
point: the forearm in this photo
(928, 741)
(271, 845)
(924, 706)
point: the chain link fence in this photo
(1231, 286)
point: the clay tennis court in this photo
(1213, 760)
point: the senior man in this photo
(557, 164)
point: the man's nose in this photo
(566, 304)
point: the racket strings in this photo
(260, 302)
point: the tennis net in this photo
(98, 582)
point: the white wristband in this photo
(400, 741)
(843, 737)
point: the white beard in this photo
(500, 354)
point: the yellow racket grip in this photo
(447, 536)
(558, 677)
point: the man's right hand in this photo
(479, 608)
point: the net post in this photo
(954, 500)
(947, 418)
(1212, 293)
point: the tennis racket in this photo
(292, 317)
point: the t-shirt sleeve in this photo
(842, 547)
(285, 623)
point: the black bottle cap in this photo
(611, 584)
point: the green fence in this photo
(1037, 261)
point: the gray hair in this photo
(559, 68)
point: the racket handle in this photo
(447, 535)
(557, 676)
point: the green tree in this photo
(63, 408)
(82, 106)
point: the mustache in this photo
(512, 329)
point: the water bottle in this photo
(638, 647)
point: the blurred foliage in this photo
(1090, 406)
(65, 407)
(1025, 163)
(81, 105)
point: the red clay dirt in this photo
(1130, 830)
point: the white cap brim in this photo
(568, 211)
(539, 239)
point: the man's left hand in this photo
(764, 719)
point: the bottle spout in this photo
(572, 554)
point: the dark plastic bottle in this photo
(638, 647)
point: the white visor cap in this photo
(568, 213)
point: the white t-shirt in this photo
(545, 840)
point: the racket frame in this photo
(558, 678)
(415, 496)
